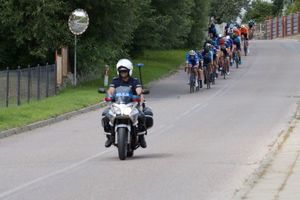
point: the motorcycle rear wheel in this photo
(122, 143)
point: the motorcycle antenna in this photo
(140, 65)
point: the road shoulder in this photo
(50, 121)
(278, 176)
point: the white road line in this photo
(55, 173)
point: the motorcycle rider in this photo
(124, 70)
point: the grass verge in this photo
(157, 65)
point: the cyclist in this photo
(236, 37)
(245, 34)
(215, 51)
(207, 57)
(192, 63)
(229, 44)
(200, 69)
(251, 25)
(212, 31)
(224, 57)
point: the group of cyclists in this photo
(219, 51)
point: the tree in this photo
(112, 24)
(31, 30)
(151, 24)
(259, 11)
(199, 24)
(294, 7)
(176, 15)
(224, 11)
(278, 6)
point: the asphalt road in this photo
(203, 146)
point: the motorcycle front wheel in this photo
(122, 143)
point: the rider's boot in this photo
(109, 141)
(142, 141)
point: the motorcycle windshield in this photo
(123, 95)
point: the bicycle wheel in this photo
(212, 77)
(245, 48)
(192, 83)
(236, 60)
(198, 87)
(207, 78)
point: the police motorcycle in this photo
(125, 120)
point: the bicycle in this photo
(193, 81)
(206, 72)
(245, 44)
(224, 64)
(236, 58)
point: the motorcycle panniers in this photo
(149, 117)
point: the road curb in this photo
(47, 122)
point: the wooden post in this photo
(298, 22)
(292, 24)
(283, 21)
(267, 28)
(277, 26)
(271, 32)
(19, 86)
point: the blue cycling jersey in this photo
(229, 43)
(236, 40)
(214, 50)
(207, 57)
(200, 56)
(192, 60)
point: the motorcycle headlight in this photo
(117, 110)
(127, 111)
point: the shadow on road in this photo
(141, 157)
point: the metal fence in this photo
(24, 85)
(283, 26)
(260, 32)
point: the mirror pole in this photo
(75, 59)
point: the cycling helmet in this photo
(208, 46)
(192, 53)
(124, 64)
(243, 26)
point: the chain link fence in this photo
(24, 85)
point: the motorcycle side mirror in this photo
(107, 99)
(101, 90)
(146, 91)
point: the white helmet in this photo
(192, 53)
(125, 63)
